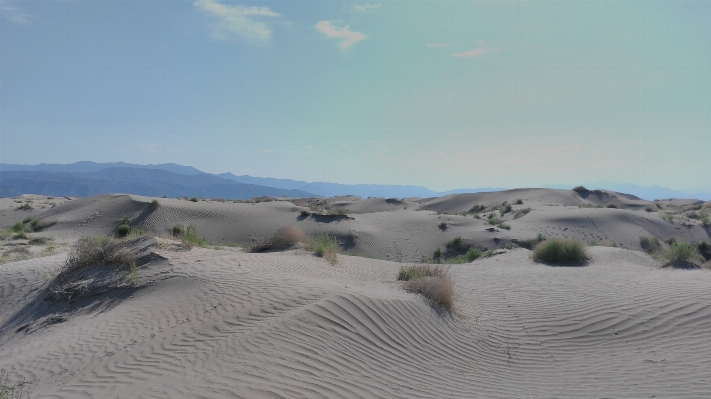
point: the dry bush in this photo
(325, 246)
(649, 245)
(284, 238)
(432, 282)
(521, 213)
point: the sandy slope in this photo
(218, 324)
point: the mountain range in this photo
(88, 178)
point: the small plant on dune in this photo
(456, 245)
(476, 208)
(432, 282)
(472, 254)
(560, 252)
(194, 199)
(705, 218)
(25, 207)
(191, 238)
(442, 226)
(521, 213)
(133, 276)
(177, 231)
(680, 252)
(504, 226)
(437, 255)
(580, 189)
(8, 391)
(155, 204)
(21, 228)
(284, 238)
(26, 220)
(123, 230)
(704, 249)
(649, 209)
(519, 202)
(20, 235)
(649, 245)
(325, 246)
(611, 206)
(505, 208)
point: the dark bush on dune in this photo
(432, 282)
(581, 190)
(704, 249)
(123, 230)
(560, 252)
(611, 206)
(649, 245)
(680, 252)
(284, 238)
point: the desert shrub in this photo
(191, 238)
(155, 204)
(680, 252)
(560, 252)
(26, 220)
(505, 208)
(580, 189)
(324, 246)
(457, 245)
(177, 230)
(442, 225)
(649, 209)
(705, 218)
(670, 241)
(39, 241)
(611, 206)
(20, 235)
(472, 254)
(504, 226)
(493, 220)
(123, 230)
(20, 228)
(97, 250)
(521, 213)
(649, 245)
(194, 199)
(283, 238)
(432, 282)
(476, 208)
(519, 202)
(25, 207)
(437, 255)
(704, 249)
(304, 213)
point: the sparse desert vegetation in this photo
(324, 246)
(432, 282)
(560, 252)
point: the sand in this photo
(219, 323)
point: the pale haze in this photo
(443, 94)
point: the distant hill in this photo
(361, 190)
(139, 181)
(649, 193)
(88, 166)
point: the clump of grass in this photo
(437, 255)
(39, 241)
(649, 209)
(25, 207)
(505, 208)
(705, 218)
(476, 208)
(177, 231)
(133, 276)
(580, 189)
(123, 230)
(324, 246)
(519, 202)
(504, 226)
(304, 213)
(155, 204)
(191, 238)
(432, 282)
(194, 199)
(442, 226)
(521, 213)
(284, 238)
(649, 245)
(704, 249)
(680, 252)
(21, 228)
(26, 220)
(456, 245)
(20, 235)
(560, 252)
(611, 206)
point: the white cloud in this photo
(367, 7)
(345, 33)
(473, 52)
(14, 14)
(237, 20)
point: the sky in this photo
(444, 94)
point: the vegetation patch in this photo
(581, 190)
(432, 282)
(8, 391)
(477, 209)
(191, 238)
(650, 245)
(324, 246)
(155, 204)
(560, 252)
(521, 213)
(284, 238)
(681, 254)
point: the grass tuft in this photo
(680, 252)
(324, 246)
(432, 282)
(284, 238)
(560, 252)
(650, 245)
(155, 204)
(191, 238)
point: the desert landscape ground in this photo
(304, 297)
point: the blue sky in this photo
(443, 94)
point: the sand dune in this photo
(224, 323)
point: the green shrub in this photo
(26, 220)
(704, 249)
(472, 254)
(649, 209)
(705, 218)
(505, 208)
(504, 226)
(649, 245)
(521, 213)
(193, 199)
(519, 202)
(191, 238)
(437, 255)
(155, 204)
(123, 230)
(457, 245)
(611, 206)
(19, 227)
(681, 252)
(304, 213)
(477, 208)
(21, 235)
(560, 252)
(177, 231)
(325, 246)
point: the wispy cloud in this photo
(440, 45)
(237, 20)
(349, 37)
(367, 7)
(14, 14)
(473, 52)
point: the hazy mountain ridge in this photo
(139, 181)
